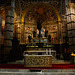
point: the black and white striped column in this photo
(8, 32)
(71, 25)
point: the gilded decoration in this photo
(31, 12)
(44, 13)
(37, 61)
(26, 3)
(39, 5)
(71, 5)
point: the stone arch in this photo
(36, 4)
(25, 11)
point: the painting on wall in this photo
(2, 31)
(28, 29)
(63, 28)
(52, 28)
(28, 32)
(44, 13)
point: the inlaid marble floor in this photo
(42, 72)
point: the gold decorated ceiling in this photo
(44, 13)
(20, 5)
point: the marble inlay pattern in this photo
(36, 61)
(42, 72)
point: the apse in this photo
(44, 13)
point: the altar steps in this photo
(17, 62)
(42, 72)
(54, 61)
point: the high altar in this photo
(37, 59)
(39, 54)
(39, 38)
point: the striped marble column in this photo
(9, 22)
(71, 25)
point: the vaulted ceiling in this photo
(23, 4)
(42, 12)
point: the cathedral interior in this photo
(37, 25)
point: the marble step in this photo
(42, 72)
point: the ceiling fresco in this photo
(44, 13)
(55, 3)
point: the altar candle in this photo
(46, 51)
(49, 51)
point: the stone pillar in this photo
(59, 31)
(0, 36)
(22, 33)
(70, 15)
(60, 38)
(71, 25)
(64, 29)
(8, 33)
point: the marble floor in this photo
(37, 72)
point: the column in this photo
(18, 31)
(60, 38)
(59, 31)
(8, 32)
(0, 36)
(71, 25)
(64, 29)
(22, 33)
